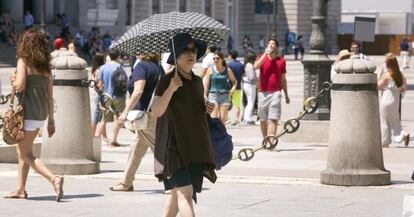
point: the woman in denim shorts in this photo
(219, 85)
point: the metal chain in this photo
(310, 105)
(105, 100)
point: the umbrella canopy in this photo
(153, 34)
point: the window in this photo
(156, 7)
(207, 7)
(183, 5)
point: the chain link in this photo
(310, 105)
(105, 100)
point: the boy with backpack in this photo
(113, 81)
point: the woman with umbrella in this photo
(183, 150)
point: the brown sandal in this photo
(58, 186)
(16, 195)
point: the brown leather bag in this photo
(13, 122)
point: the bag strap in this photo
(13, 94)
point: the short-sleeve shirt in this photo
(190, 140)
(105, 75)
(208, 61)
(150, 72)
(238, 70)
(270, 74)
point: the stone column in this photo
(355, 151)
(70, 150)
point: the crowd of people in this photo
(178, 103)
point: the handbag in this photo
(137, 120)
(13, 122)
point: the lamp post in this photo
(317, 65)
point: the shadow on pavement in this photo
(111, 171)
(65, 197)
(296, 149)
(398, 182)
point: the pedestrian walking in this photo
(391, 83)
(238, 70)
(34, 82)
(249, 88)
(28, 20)
(185, 151)
(208, 61)
(97, 61)
(299, 47)
(105, 82)
(405, 53)
(141, 85)
(272, 81)
(217, 87)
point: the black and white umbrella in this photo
(153, 34)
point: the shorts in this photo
(219, 98)
(119, 105)
(32, 125)
(236, 98)
(269, 105)
(190, 175)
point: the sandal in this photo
(16, 195)
(121, 187)
(58, 186)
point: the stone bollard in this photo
(354, 150)
(70, 150)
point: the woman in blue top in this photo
(217, 87)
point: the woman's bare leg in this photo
(171, 206)
(215, 113)
(23, 171)
(26, 152)
(185, 202)
(224, 110)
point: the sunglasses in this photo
(192, 50)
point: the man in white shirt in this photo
(208, 61)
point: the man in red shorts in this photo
(272, 81)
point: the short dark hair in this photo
(212, 48)
(275, 40)
(355, 43)
(233, 54)
(113, 54)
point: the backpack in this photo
(119, 82)
(221, 141)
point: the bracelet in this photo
(51, 121)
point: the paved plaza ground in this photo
(283, 183)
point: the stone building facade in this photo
(240, 15)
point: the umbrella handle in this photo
(173, 52)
